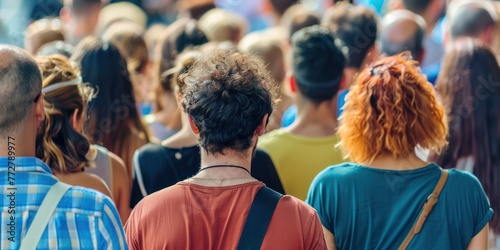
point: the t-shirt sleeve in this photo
(131, 231)
(315, 238)
(263, 170)
(481, 209)
(319, 196)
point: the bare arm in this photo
(330, 239)
(120, 186)
(480, 241)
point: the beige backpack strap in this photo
(426, 210)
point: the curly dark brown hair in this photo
(227, 94)
(391, 109)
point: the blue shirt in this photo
(368, 208)
(84, 218)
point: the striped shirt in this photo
(84, 218)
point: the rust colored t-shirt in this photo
(189, 216)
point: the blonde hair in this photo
(391, 109)
(60, 146)
(221, 25)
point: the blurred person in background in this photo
(42, 32)
(113, 120)
(80, 18)
(302, 150)
(222, 25)
(178, 157)
(83, 218)
(227, 97)
(374, 201)
(297, 17)
(432, 11)
(469, 87)
(62, 146)
(165, 120)
(130, 37)
(269, 48)
(476, 19)
(404, 30)
(120, 12)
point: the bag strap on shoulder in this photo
(42, 217)
(259, 218)
(426, 210)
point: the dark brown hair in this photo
(469, 86)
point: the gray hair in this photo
(20, 84)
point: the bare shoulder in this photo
(117, 164)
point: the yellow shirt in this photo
(298, 159)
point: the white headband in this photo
(52, 87)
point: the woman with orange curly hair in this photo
(374, 202)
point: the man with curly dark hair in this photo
(228, 97)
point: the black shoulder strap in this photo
(258, 218)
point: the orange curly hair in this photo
(391, 109)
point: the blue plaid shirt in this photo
(84, 219)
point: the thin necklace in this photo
(222, 179)
(223, 166)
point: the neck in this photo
(228, 158)
(349, 74)
(184, 138)
(23, 145)
(388, 162)
(169, 116)
(315, 120)
(430, 22)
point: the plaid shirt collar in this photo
(24, 164)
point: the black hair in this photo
(356, 26)
(318, 63)
(227, 94)
(416, 6)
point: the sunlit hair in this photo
(59, 145)
(391, 109)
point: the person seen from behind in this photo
(228, 98)
(374, 201)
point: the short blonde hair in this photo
(391, 109)
(221, 25)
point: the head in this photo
(357, 27)
(475, 19)
(430, 10)
(129, 36)
(280, 6)
(222, 25)
(60, 144)
(469, 86)
(390, 110)
(228, 97)
(298, 17)
(118, 12)
(317, 65)
(267, 48)
(151, 38)
(80, 18)
(21, 108)
(42, 32)
(112, 114)
(403, 30)
(182, 34)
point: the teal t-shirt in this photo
(368, 208)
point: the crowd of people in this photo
(269, 124)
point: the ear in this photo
(261, 128)
(343, 83)
(293, 84)
(76, 120)
(193, 126)
(39, 110)
(488, 35)
(65, 14)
